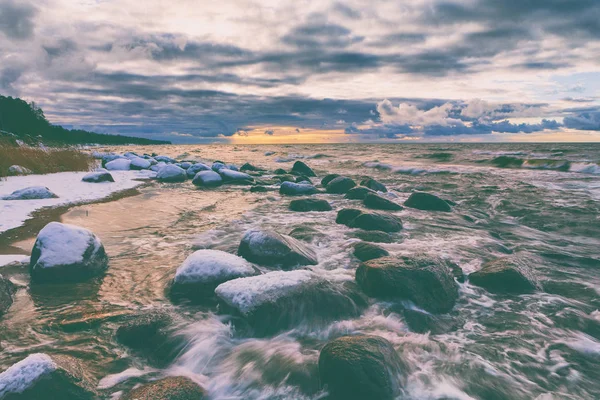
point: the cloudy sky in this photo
(309, 71)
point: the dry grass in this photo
(43, 161)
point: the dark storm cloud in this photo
(16, 19)
(588, 121)
(346, 11)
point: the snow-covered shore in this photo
(69, 188)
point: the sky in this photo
(301, 71)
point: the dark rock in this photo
(427, 201)
(302, 169)
(340, 185)
(374, 185)
(235, 177)
(328, 178)
(207, 179)
(305, 233)
(286, 178)
(310, 205)
(377, 222)
(346, 215)
(297, 189)
(504, 276)
(258, 189)
(170, 388)
(374, 236)
(250, 167)
(380, 203)
(274, 249)
(358, 193)
(359, 368)
(302, 178)
(7, 290)
(280, 171)
(427, 283)
(422, 322)
(98, 177)
(367, 251)
(31, 193)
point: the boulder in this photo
(427, 201)
(171, 173)
(7, 290)
(204, 270)
(360, 367)
(120, 164)
(328, 178)
(171, 388)
(377, 202)
(138, 163)
(31, 193)
(305, 233)
(286, 178)
(207, 179)
(504, 275)
(346, 215)
(297, 189)
(374, 236)
(358, 193)
(377, 222)
(40, 376)
(130, 155)
(426, 282)
(280, 300)
(374, 185)
(66, 253)
(184, 164)
(302, 169)
(218, 165)
(157, 166)
(194, 169)
(15, 170)
(235, 177)
(111, 157)
(367, 251)
(310, 205)
(423, 322)
(303, 179)
(250, 167)
(340, 185)
(165, 159)
(280, 171)
(98, 177)
(274, 249)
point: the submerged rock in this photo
(138, 163)
(282, 299)
(427, 202)
(367, 251)
(171, 388)
(274, 249)
(504, 276)
(346, 215)
(360, 367)
(423, 322)
(328, 178)
(204, 270)
(297, 189)
(171, 173)
(377, 202)
(98, 177)
(374, 185)
(15, 170)
(207, 179)
(340, 185)
(31, 193)
(231, 176)
(194, 169)
(358, 193)
(310, 205)
(66, 253)
(40, 376)
(426, 282)
(305, 233)
(120, 164)
(7, 290)
(302, 169)
(377, 222)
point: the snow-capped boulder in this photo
(14, 170)
(302, 169)
(7, 290)
(120, 164)
(231, 176)
(184, 164)
(207, 179)
(31, 193)
(111, 157)
(297, 189)
(157, 166)
(171, 387)
(204, 270)
(274, 249)
(218, 165)
(138, 163)
(194, 169)
(171, 173)
(98, 177)
(282, 299)
(40, 376)
(66, 253)
(131, 155)
(165, 159)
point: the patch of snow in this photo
(31, 193)
(120, 164)
(18, 170)
(22, 375)
(8, 259)
(64, 244)
(209, 265)
(68, 186)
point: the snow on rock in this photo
(217, 166)
(14, 170)
(165, 159)
(64, 252)
(31, 193)
(274, 249)
(158, 166)
(98, 176)
(22, 375)
(139, 163)
(194, 169)
(207, 179)
(184, 164)
(120, 164)
(231, 176)
(69, 188)
(171, 173)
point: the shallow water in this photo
(542, 205)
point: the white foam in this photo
(585, 168)
(114, 379)
(64, 244)
(23, 374)
(208, 265)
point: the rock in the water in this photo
(374, 185)
(15, 170)
(98, 177)
(204, 270)
(170, 388)
(40, 376)
(360, 367)
(280, 171)
(426, 282)
(7, 290)
(31, 193)
(281, 299)
(194, 169)
(303, 179)
(427, 201)
(328, 178)
(258, 189)
(377, 202)
(250, 167)
(374, 236)
(66, 253)
(303, 169)
(305, 233)
(340, 185)
(310, 205)
(286, 178)
(367, 251)
(231, 176)
(504, 276)
(297, 189)
(139, 163)
(377, 222)
(120, 164)
(423, 322)
(274, 249)
(207, 179)
(358, 193)
(346, 215)
(171, 173)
